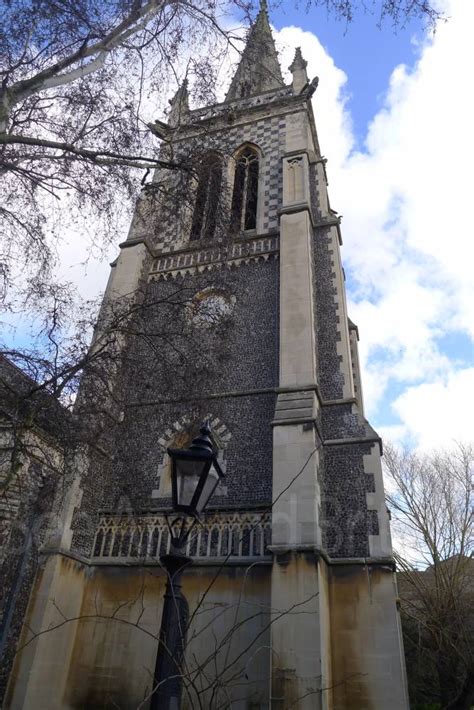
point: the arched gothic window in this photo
(245, 193)
(207, 197)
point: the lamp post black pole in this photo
(168, 682)
(195, 474)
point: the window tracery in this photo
(207, 197)
(245, 192)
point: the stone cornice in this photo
(298, 207)
(253, 392)
(283, 552)
(330, 222)
(154, 562)
(128, 243)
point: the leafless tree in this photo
(431, 498)
(47, 420)
(79, 83)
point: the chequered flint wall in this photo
(268, 134)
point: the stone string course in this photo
(191, 262)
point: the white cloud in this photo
(332, 118)
(408, 235)
(439, 412)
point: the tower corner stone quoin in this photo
(237, 316)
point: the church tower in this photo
(237, 315)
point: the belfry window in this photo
(245, 193)
(207, 197)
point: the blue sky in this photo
(366, 50)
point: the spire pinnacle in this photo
(298, 61)
(179, 105)
(259, 69)
(298, 69)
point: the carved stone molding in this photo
(214, 257)
(222, 534)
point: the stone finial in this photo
(179, 106)
(298, 61)
(298, 69)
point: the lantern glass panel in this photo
(188, 474)
(210, 485)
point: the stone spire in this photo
(179, 106)
(298, 69)
(259, 69)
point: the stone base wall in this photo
(368, 669)
(326, 635)
(102, 625)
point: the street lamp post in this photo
(195, 474)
